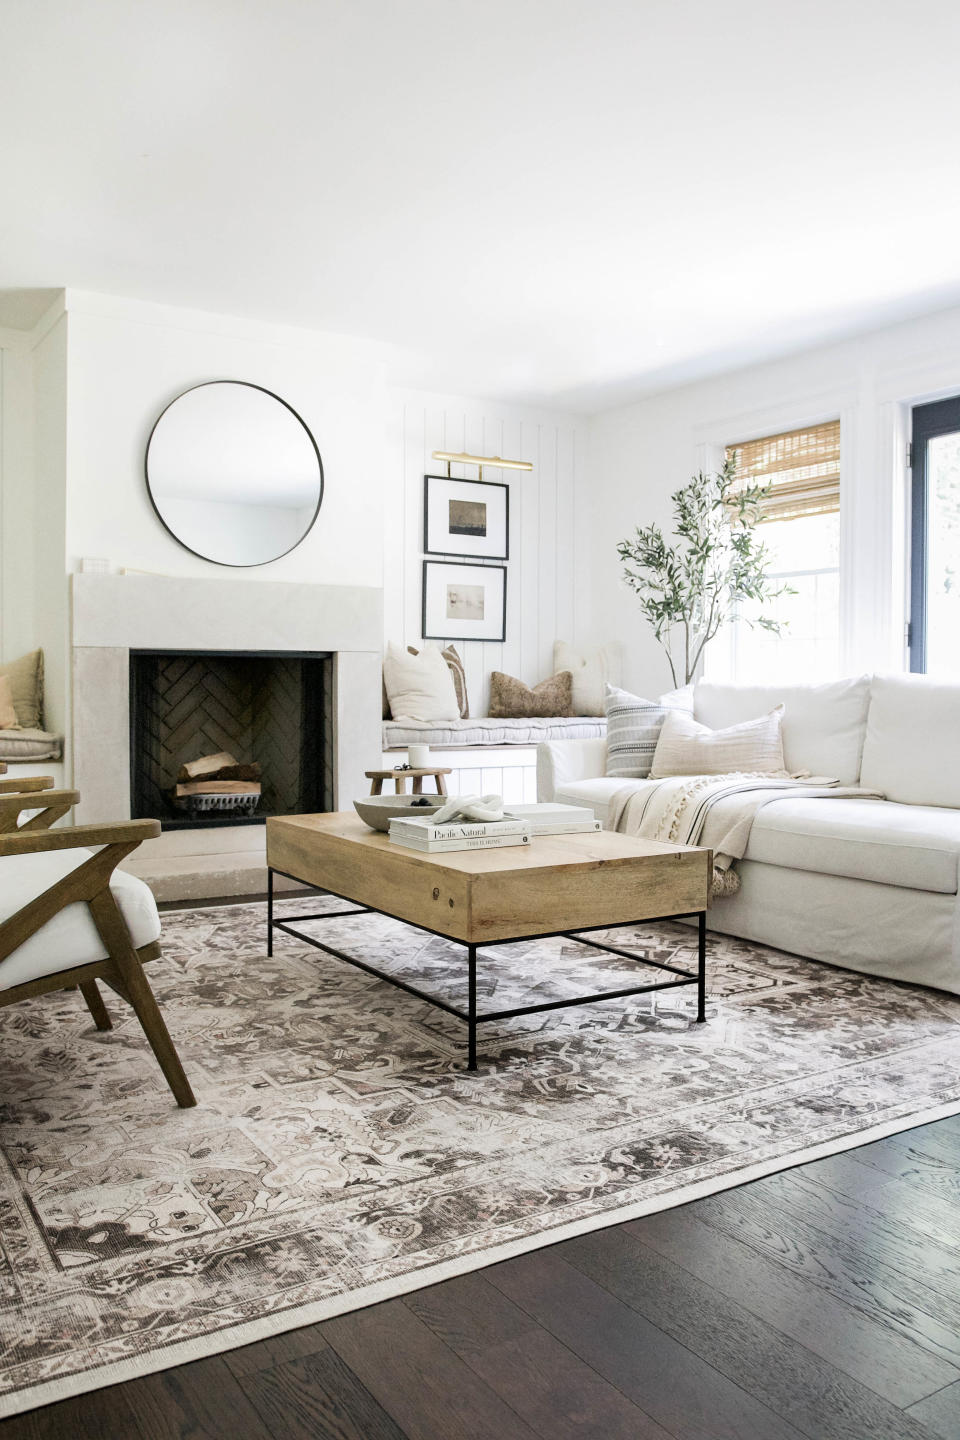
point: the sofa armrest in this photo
(559, 761)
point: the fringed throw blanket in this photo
(714, 810)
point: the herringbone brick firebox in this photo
(269, 708)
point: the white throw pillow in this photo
(419, 687)
(686, 747)
(633, 728)
(591, 671)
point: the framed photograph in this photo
(464, 602)
(466, 517)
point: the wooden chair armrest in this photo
(48, 806)
(128, 833)
(28, 785)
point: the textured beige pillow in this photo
(510, 699)
(591, 671)
(419, 687)
(26, 686)
(8, 715)
(686, 747)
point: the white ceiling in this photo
(568, 201)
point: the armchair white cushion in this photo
(70, 938)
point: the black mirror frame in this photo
(226, 564)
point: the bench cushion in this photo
(398, 734)
(70, 938)
(29, 745)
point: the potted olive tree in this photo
(714, 571)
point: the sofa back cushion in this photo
(823, 725)
(913, 740)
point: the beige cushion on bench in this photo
(17, 745)
(70, 938)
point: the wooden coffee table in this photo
(558, 885)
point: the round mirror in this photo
(234, 473)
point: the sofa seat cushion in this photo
(70, 938)
(598, 793)
(913, 846)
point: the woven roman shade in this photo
(802, 468)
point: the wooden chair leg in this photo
(376, 785)
(441, 785)
(418, 784)
(95, 1005)
(115, 936)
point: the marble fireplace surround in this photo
(114, 614)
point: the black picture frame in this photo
(433, 536)
(462, 628)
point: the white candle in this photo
(418, 757)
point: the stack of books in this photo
(519, 824)
(553, 819)
(458, 834)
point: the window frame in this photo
(939, 417)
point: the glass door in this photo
(934, 633)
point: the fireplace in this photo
(270, 709)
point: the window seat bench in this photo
(487, 756)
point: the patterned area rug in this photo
(340, 1154)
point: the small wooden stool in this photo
(399, 778)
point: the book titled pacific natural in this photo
(519, 825)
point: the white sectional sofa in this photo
(869, 885)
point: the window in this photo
(800, 526)
(935, 540)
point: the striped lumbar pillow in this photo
(685, 747)
(633, 728)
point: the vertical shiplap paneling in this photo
(527, 551)
(540, 570)
(565, 625)
(547, 551)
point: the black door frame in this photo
(941, 417)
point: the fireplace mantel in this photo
(114, 614)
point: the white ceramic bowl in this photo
(378, 810)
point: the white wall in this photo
(128, 360)
(544, 600)
(642, 452)
(81, 393)
(50, 607)
(17, 557)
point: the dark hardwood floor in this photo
(822, 1302)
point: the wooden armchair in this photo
(34, 792)
(69, 918)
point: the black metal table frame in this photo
(471, 1015)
